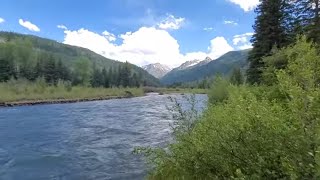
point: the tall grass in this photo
(22, 90)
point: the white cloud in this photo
(242, 41)
(2, 20)
(246, 5)
(61, 26)
(109, 36)
(29, 25)
(144, 46)
(218, 47)
(230, 22)
(208, 29)
(147, 45)
(195, 56)
(87, 39)
(171, 22)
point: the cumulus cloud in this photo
(195, 55)
(230, 22)
(29, 25)
(109, 36)
(218, 47)
(2, 20)
(144, 46)
(61, 26)
(171, 22)
(90, 40)
(246, 5)
(208, 29)
(242, 41)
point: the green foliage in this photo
(82, 71)
(219, 91)
(34, 57)
(272, 28)
(236, 77)
(307, 19)
(24, 90)
(7, 70)
(253, 132)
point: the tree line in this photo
(277, 25)
(20, 60)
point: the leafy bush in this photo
(218, 92)
(251, 133)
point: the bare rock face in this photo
(157, 70)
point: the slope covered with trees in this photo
(30, 57)
(223, 65)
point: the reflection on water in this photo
(89, 140)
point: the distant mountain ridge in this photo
(197, 70)
(157, 70)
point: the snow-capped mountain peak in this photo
(157, 70)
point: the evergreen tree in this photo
(97, 78)
(236, 77)
(6, 70)
(125, 75)
(135, 80)
(112, 78)
(60, 70)
(106, 80)
(271, 29)
(307, 20)
(50, 73)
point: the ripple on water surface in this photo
(88, 140)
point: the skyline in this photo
(141, 32)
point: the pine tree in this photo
(271, 29)
(106, 80)
(236, 77)
(97, 78)
(6, 70)
(63, 73)
(50, 73)
(307, 21)
(126, 75)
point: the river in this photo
(87, 140)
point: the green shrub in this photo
(219, 91)
(252, 133)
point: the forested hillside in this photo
(223, 66)
(31, 57)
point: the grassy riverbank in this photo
(16, 91)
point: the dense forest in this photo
(265, 126)
(33, 58)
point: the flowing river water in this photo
(87, 140)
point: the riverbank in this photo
(33, 94)
(21, 93)
(59, 101)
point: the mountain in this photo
(70, 54)
(188, 64)
(157, 70)
(207, 68)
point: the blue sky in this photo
(140, 31)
